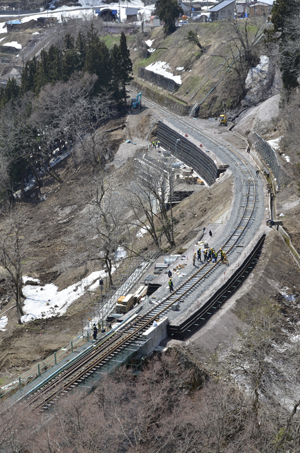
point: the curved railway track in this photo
(130, 333)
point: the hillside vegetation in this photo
(222, 42)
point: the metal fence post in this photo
(20, 382)
(72, 346)
(39, 370)
(55, 360)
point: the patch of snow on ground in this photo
(274, 143)
(120, 253)
(25, 279)
(5, 387)
(287, 158)
(160, 67)
(180, 68)
(2, 39)
(141, 232)
(36, 33)
(149, 42)
(46, 301)
(3, 322)
(13, 44)
(151, 50)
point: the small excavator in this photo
(223, 120)
(136, 103)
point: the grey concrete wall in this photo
(154, 335)
(188, 153)
(158, 79)
(161, 99)
(268, 154)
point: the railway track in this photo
(131, 333)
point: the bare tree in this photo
(241, 39)
(151, 197)
(11, 256)
(107, 219)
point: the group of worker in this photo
(209, 254)
(156, 144)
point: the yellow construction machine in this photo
(223, 120)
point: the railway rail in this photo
(131, 333)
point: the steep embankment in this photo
(201, 70)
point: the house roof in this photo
(221, 5)
(260, 4)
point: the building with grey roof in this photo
(222, 11)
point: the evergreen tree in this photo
(285, 18)
(28, 75)
(281, 12)
(125, 65)
(11, 92)
(168, 11)
(98, 60)
(70, 64)
(54, 64)
(81, 49)
(115, 70)
(41, 78)
(69, 43)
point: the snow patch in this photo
(180, 68)
(274, 143)
(149, 42)
(13, 44)
(46, 301)
(161, 67)
(3, 322)
(142, 232)
(120, 253)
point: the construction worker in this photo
(171, 287)
(222, 255)
(205, 255)
(95, 331)
(199, 255)
(158, 144)
(154, 144)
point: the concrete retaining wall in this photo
(268, 154)
(161, 99)
(158, 79)
(188, 153)
(155, 335)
